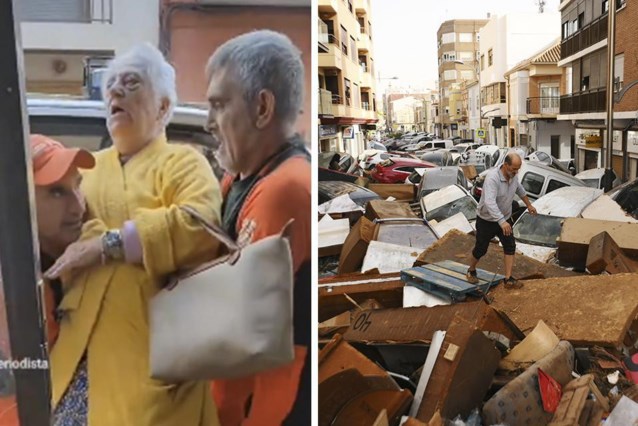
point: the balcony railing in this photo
(366, 106)
(325, 102)
(337, 100)
(587, 36)
(543, 105)
(584, 102)
(72, 11)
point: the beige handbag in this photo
(229, 318)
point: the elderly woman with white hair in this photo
(135, 236)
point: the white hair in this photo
(149, 62)
(264, 60)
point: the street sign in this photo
(480, 133)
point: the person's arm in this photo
(490, 191)
(520, 191)
(162, 239)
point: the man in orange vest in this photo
(255, 94)
(60, 211)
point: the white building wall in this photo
(133, 22)
(541, 133)
(518, 93)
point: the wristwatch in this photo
(112, 245)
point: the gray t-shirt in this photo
(498, 193)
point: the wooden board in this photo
(587, 310)
(457, 246)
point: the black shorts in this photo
(485, 231)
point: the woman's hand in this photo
(78, 255)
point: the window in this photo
(449, 75)
(344, 41)
(353, 48)
(619, 4)
(449, 56)
(565, 30)
(619, 72)
(554, 185)
(347, 84)
(533, 183)
(466, 37)
(490, 58)
(350, 6)
(356, 95)
(448, 38)
(482, 62)
(405, 169)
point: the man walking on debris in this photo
(494, 215)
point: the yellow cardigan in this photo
(106, 307)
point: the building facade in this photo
(346, 75)
(584, 29)
(61, 38)
(191, 31)
(458, 46)
(533, 100)
(504, 42)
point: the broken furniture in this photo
(448, 280)
(605, 255)
(353, 390)
(576, 408)
(519, 401)
(457, 246)
(382, 209)
(337, 293)
(576, 235)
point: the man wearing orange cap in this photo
(60, 210)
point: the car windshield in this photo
(465, 205)
(540, 230)
(592, 183)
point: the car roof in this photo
(443, 196)
(568, 201)
(411, 161)
(69, 107)
(591, 173)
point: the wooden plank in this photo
(457, 246)
(586, 310)
(482, 274)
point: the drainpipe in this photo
(608, 177)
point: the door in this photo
(555, 141)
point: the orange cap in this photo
(52, 160)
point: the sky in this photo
(404, 34)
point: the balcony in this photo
(323, 37)
(363, 42)
(589, 35)
(362, 6)
(366, 79)
(72, 11)
(543, 106)
(328, 6)
(325, 103)
(333, 58)
(584, 102)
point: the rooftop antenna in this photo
(541, 5)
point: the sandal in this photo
(471, 277)
(511, 283)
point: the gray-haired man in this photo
(494, 215)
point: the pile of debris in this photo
(405, 339)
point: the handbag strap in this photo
(213, 229)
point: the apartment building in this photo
(458, 46)
(584, 29)
(505, 41)
(346, 75)
(61, 37)
(191, 31)
(533, 95)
